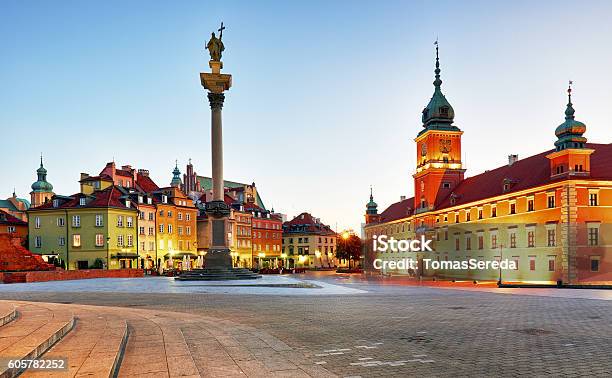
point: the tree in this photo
(349, 248)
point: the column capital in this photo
(216, 100)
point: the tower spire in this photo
(569, 111)
(41, 159)
(438, 81)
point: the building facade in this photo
(267, 237)
(12, 225)
(308, 243)
(84, 231)
(550, 213)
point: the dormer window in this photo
(444, 111)
(139, 199)
(55, 203)
(82, 201)
(164, 198)
(127, 203)
(150, 201)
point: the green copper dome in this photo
(176, 177)
(371, 207)
(569, 133)
(438, 114)
(42, 185)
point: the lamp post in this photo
(318, 256)
(501, 247)
(107, 252)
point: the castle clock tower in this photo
(439, 168)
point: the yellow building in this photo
(308, 243)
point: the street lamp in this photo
(501, 246)
(318, 256)
(284, 257)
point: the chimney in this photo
(84, 176)
(144, 172)
(402, 198)
(512, 159)
(126, 167)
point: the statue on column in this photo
(215, 45)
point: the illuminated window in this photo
(99, 240)
(76, 240)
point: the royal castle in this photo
(550, 213)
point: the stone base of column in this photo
(218, 258)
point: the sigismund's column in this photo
(218, 211)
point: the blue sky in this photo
(326, 99)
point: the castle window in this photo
(531, 238)
(494, 241)
(446, 184)
(493, 211)
(444, 111)
(530, 204)
(551, 201)
(38, 241)
(551, 237)
(468, 216)
(594, 263)
(513, 239)
(593, 235)
(593, 199)
(512, 208)
(480, 213)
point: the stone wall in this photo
(61, 275)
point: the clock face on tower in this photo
(445, 145)
(423, 149)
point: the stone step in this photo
(156, 347)
(94, 347)
(7, 313)
(36, 329)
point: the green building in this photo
(85, 231)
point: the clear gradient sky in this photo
(327, 95)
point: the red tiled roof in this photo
(398, 210)
(146, 183)
(526, 173)
(6, 218)
(307, 225)
(109, 197)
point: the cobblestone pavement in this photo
(408, 331)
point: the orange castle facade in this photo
(550, 213)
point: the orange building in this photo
(550, 213)
(12, 225)
(267, 237)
